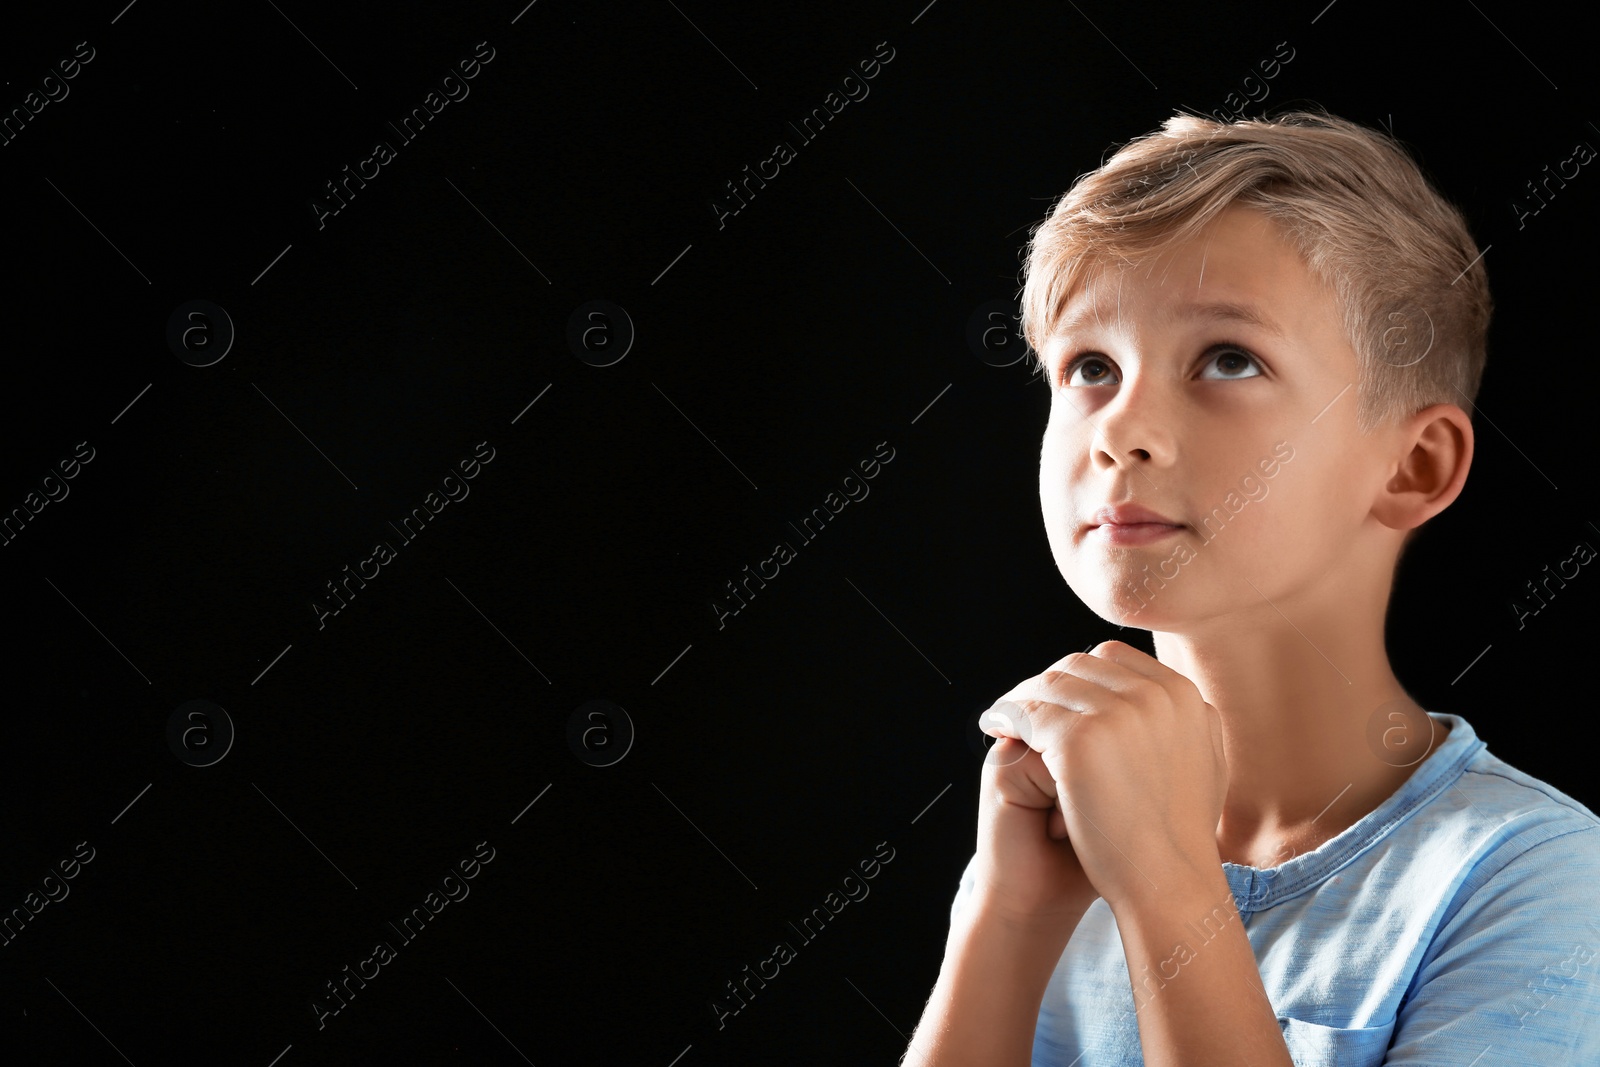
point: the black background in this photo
(772, 755)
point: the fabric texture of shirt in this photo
(1457, 923)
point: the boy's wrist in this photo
(1056, 922)
(987, 930)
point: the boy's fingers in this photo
(1006, 719)
(1020, 775)
(1058, 823)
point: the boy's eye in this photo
(1233, 361)
(1088, 359)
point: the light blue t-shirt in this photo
(1457, 923)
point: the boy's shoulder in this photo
(1490, 813)
(1490, 781)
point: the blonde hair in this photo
(1408, 277)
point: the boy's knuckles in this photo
(1053, 676)
(1148, 693)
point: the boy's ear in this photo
(1434, 451)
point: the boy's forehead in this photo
(1081, 314)
(1237, 271)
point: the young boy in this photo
(1261, 341)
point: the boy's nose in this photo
(1134, 428)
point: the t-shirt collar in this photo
(1255, 889)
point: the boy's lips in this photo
(1130, 524)
(1128, 515)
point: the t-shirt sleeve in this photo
(1513, 973)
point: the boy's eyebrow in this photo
(1216, 311)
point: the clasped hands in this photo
(1108, 780)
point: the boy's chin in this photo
(1128, 610)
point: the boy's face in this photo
(1200, 417)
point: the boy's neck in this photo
(1297, 709)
